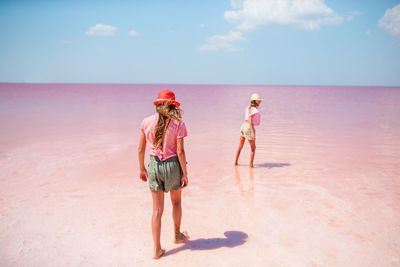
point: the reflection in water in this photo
(246, 196)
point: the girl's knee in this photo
(158, 211)
(176, 203)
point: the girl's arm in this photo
(252, 127)
(141, 152)
(182, 161)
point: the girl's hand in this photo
(143, 175)
(184, 181)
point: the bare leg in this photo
(253, 151)
(241, 142)
(158, 208)
(177, 215)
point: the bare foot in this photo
(158, 254)
(181, 237)
(251, 166)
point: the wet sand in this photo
(325, 190)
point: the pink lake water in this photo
(325, 190)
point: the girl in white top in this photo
(247, 130)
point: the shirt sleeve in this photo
(142, 127)
(253, 111)
(182, 132)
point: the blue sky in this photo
(269, 42)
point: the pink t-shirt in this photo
(176, 129)
(256, 118)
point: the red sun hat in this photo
(166, 96)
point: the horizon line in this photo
(217, 84)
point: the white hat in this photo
(256, 97)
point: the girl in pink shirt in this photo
(247, 130)
(164, 131)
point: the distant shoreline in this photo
(203, 84)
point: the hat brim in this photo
(171, 102)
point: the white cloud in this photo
(308, 14)
(390, 22)
(101, 30)
(224, 42)
(201, 25)
(132, 33)
(352, 14)
(236, 3)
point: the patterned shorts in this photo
(245, 131)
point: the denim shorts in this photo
(164, 175)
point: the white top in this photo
(253, 111)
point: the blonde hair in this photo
(253, 103)
(166, 112)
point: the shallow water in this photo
(325, 190)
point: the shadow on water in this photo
(271, 165)
(233, 239)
